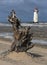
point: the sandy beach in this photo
(34, 56)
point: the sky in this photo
(24, 9)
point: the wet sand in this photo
(35, 56)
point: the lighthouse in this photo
(35, 17)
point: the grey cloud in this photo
(11, 1)
(24, 8)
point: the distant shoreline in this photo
(25, 24)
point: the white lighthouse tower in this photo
(35, 17)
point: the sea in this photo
(9, 35)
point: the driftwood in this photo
(22, 36)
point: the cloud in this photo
(11, 1)
(24, 8)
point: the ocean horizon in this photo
(38, 27)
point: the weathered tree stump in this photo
(22, 36)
